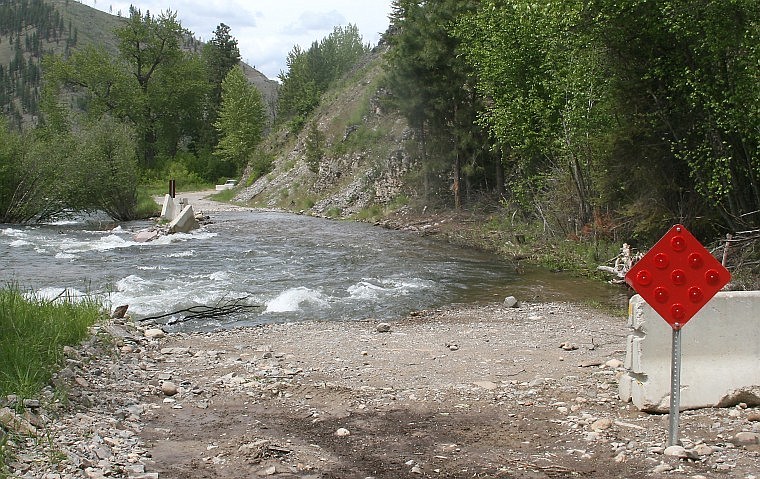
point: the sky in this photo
(266, 30)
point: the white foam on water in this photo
(365, 290)
(293, 298)
(119, 238)
(63, 222)
(182, 254)
(220, 276)
(13, 233)
(371, 289)
(19, 243)
(104, 243)
(60, 294)
(172, 293)
(182, 237)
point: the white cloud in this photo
(267, 30)
(318, 21)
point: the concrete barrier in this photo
(720, 351)
(184, 222)
(169, 210)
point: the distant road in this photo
(202, 203)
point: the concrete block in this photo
(720, 355)
(184, 222)
(169, 210)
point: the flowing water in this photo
(294, 267)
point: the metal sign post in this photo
(675, 388)
(677, 277)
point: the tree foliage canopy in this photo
(130, 112)
(311, 72)
(241, 119)
(153, 84)
(619, 112)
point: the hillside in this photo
(31, 29)
(363, 164)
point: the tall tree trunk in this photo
(500, 187)
(457, 180)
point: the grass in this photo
(33, 332)
(371, 213)
(224, 195)
(146, 205)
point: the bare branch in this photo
(223, 308)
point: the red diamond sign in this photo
(677, 276)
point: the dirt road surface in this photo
(470, 391)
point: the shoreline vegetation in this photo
(33, 334)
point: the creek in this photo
(294, 267)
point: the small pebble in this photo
(383, 328)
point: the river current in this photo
(294, 267)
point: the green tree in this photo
(36, 176)
(220, 55)
(434, 88)
(687, 87)
(548, 100)
(311, 72)
(153, 85)
(241, 119)
(149, 45)
(105, 154)
(315, 144)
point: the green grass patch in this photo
(334, 212)
(33, 332)
(146, 205)
(224, 195)
(372, 213)
(303, 204)
(156, 182)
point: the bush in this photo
(157, 181)
(146, 205)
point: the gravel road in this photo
(466, 391)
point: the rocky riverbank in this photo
(468, 391)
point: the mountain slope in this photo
(31, 29)
(363, 165)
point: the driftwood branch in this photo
(622, 263)
(223, 308)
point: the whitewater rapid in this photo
(292, 267)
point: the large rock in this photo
(145, 236)
(13, 422)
